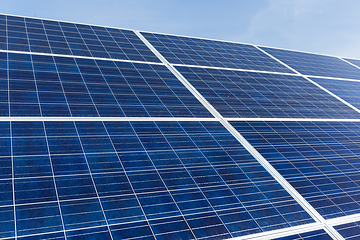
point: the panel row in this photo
(136, 179)
(45, 36)
(201, 52)
(319, 159)
(315, 64)
(37, 85)
(238, 94)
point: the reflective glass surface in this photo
(195, 51)
(319, 159)
(349, 230)
(64, 86)
(247, 94)
(347, 90)
(136, 179)
(47, 36)
(314, 235)
(315, 64)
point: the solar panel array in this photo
(118, 134)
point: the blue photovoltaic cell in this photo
(248, 94)
(195, 51)
(168, 180)
(315, 64)
(46, 36)
(347, 90)
(64, 86)
(314, 235)
(349, 231)
(353, 61)
(319, 159)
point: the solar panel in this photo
(319, 234)
(108, 133)
(111, 174)
(46, 36)
(65, 86)
(237, 94)
(349, 230)
(202, 52)
(347, 90)
(314, 64)
(353, 61)
(319, 159)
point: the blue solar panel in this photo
(64, 86)
(314, 64)
(313, 235)
(347, 90)
(247, 94)
(194, 51)
(169, 179)
(45, 36)
(111, 178)
(319, 159)
(349, 230)
(353, 61)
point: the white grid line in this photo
(78, 56)
(93, 182)
(279, 178)
(316, 84)
(163, 182)
(223, 121)
(54, 181)
(249, 44)
(130, 183)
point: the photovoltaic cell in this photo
(349, 230)
(166, 179)
(46, 36)
(195, 51)
(314, 64)
(102, 179)
(353, 61)
(347, 90)
(247, 94)
(314, 235)
(64, 86)
(319, 159)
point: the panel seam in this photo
(307, 78)
(272, 171)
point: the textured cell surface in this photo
(136, 179)
(319, 159)
(314, 64)
(195, 51)
(246, 94)
(314, 235)
(349, 230)
(347, 90)
(101, 139)
(54, 37)
(64, 86)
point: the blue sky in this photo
(320, 26)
